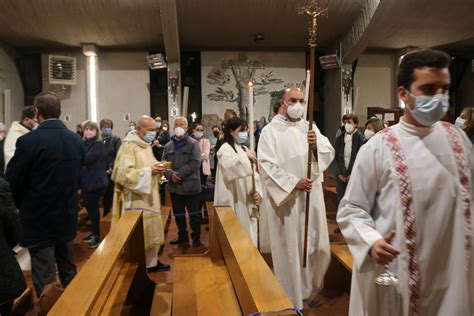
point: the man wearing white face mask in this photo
(184, 182)
(348, 144)
(136, 178)
(283, 159)
(408, 204)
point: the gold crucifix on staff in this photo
(313, 11)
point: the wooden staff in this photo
(313, 10)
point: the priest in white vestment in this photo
(234, 184)
(283, 156)
(408, 204)
(136, 187)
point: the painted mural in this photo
(225, 77)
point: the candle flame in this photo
(250, 83)
(308, 71)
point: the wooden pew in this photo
(338, 277)
(343, 255)
(106, 221)
(114, 279)
(231, 278)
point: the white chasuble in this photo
(137, 188)
(283, 156)
(372, 208)
(234, 185)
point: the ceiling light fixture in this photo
(259, 38)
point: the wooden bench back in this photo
(255, 285)
(125, 242)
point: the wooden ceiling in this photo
(227, 24)
(136, 24)
(47, 24)
(423, 23)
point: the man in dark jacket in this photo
(184, 182)
(43, 176)
(348, 144)
(12, 282)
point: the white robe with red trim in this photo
(371, 208)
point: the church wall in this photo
(10, 79)
(374, 84)
(123, 87)
(219, 89)
(123, 79)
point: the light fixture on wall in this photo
(156, 61)
(90, 51)
(330, 61)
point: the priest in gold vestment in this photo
(136, 187)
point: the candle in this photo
(185, 101)
(306, 93)
(250, 116)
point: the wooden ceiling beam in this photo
(169, 25)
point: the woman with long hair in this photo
(234, 183)
(466, 122)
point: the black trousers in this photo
(6, 309)
(44, 261)
(180, 203)
(341, 189)
(109, 197)
(91, 202)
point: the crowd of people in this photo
(404, 192)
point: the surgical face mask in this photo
(198, 135)
(368, 133)
(242, 137)
(349, 128)
(179, 131)
(296, 110)
(88, 133)
(106, 132)
(429, 109)
(158, 124)
(131, 128)
(165, 128)
(149, 136)
(460, 122)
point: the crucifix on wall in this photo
(243, 71)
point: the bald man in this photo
(136, 180)
(283, 157)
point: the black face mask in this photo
(80, 133)
(216, 133)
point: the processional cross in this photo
(243, 71)
(313, 11)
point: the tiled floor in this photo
(322, 305)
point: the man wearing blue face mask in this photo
(112, 144)
(136, 176)
(408, 205)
